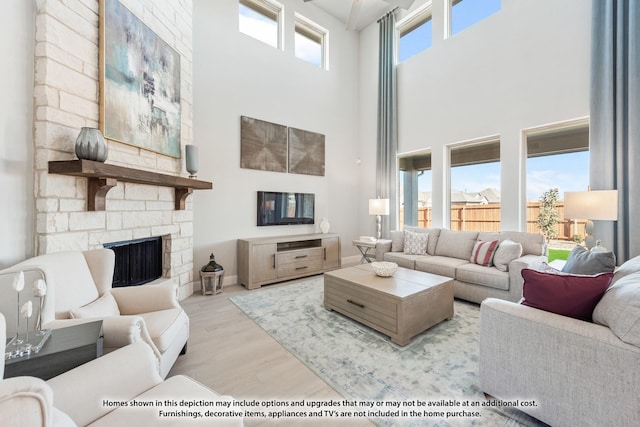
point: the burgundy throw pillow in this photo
(565, 294)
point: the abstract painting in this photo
(263, 145)
(306, 152)
(139, 83)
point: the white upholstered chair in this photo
(77, 397)
(79, 290)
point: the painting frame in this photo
(139, 76)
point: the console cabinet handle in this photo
(355, 303)
(301, 256)
(301, 268)
(274, 261)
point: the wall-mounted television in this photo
(277, 208)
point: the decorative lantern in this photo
(211, 277)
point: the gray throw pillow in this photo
(583, 261)
(397, 241)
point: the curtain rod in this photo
(387, 14)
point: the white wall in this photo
(236, 75)
(16, 132)
(523, 67)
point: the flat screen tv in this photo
(276, 208)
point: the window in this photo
(475, 186)
(415, 190)
(414, 33)
(261, 19)
(557, 159)
(311, 42)
(465, 13)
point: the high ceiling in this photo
(358, 14)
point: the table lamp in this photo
(591, 205)
(378, 207)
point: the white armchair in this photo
(79, 290)
(77, 397)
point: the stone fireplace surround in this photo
(66, 98)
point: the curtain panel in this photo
(387, 146)
(614, 141)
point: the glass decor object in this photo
(90, 145)
(191, 162)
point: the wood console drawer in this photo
(291, 263)
(363, 306)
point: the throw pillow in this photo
(483, 252)
(619, 308)
(565, 294)
(105, 306)
(507, 251)
(415, 243)
(583, 261)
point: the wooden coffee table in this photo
(401, 306)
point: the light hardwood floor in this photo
(228, 352)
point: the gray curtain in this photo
(387, 148)
(614, 141)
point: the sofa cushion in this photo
(403, 260)
(443, 266)
(105, 306)
(397, 241)
(483, 252)
(583, 261)
(619, 308)
(507, 251)
(433, 233)
(484, 276)
(415, 243)
(532, 244)
(565, 294)
(456, 244)
(629, 267)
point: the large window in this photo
(414, 33)
(311, 42)
(557, 160)
(415, 190)
(464, 13)
(475, 186)
(261, 19)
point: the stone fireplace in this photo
(67, 98)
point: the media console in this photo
(265, 260)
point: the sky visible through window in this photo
(258, 26)
(567, 172)
(308, 50)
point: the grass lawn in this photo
(561, 254)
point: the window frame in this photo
(411, 22)
(269, 9)
(448, 15)
(311, 30)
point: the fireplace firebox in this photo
(138, 261)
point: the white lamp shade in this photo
(378, 206)
(593, 205)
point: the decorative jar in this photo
(90, 145)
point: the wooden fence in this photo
(487, 218)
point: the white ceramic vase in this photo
(90, 145)
(324, 225)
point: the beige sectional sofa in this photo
(448, 253)
(579, 373)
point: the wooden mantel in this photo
(103, 177)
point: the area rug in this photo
(440, 365)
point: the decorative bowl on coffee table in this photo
(384, 268)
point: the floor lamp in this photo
(378, 207)
(591, 205)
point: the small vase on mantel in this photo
(90, 145)
(324, 225)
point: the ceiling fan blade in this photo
(352, 22)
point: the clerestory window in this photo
(262, 20)
(311, 42)
(414, 33)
